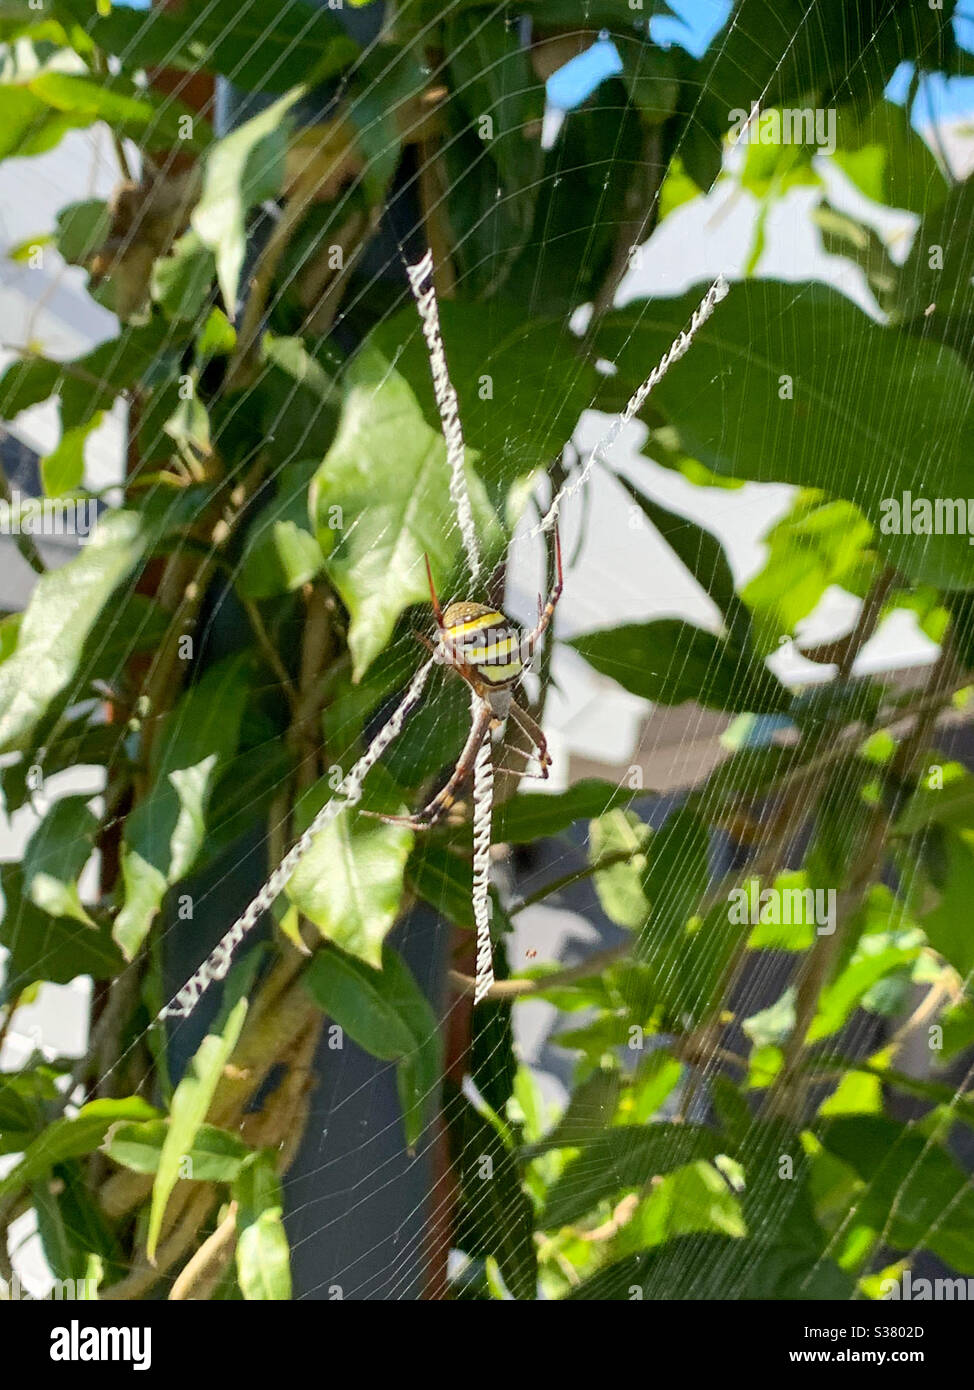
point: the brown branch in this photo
(203, 1271)
(270, 653)
(144, 1275)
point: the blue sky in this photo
(694, 24)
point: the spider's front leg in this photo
(441, 803)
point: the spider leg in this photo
(535, 733)
(531, 639)
(521, 774)
(437, 610)
(438, 807)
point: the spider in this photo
(490, 653)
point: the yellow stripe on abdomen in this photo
(493, 651)
(499, 675)
(485, 620)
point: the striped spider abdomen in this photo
(484, 641)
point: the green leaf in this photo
(858, 1093)
(938, 272)
(944, 796)
(166, 832)
(670, 661)
(387, 1014)
(520, 384)
(690, 1200)
(243, 169)
(680, 959)
(747, 773)
(281, 553)
(771, 169)
(948, 925)
(910, 1184)
(569, 251)
(152, 120)
(867, 402)
(69, 1225)
(63, 610)
(816, 544)
(887, 159)
(285, 557)
(42, 947)
(785, 922)
(495, 1215)
(533, 816)
(56, 854)
(492, 1060)
(63, 469)
(9, 632)
(620, 888)
(298, 401)
(263, 1257)
(259, 46)
(217, 338)
(622, 1158)
(180, 282)
(187, 1111)
(23, 1096)
(651, 77)
(445, 881)
(88, 384)
(387, 472)
(71, 1137)
(493, 78)
(365, 1002)
(244, 794)
(715, 1267)
(384, 92)
(28, 125)
(771, 1026)
(876, 957)
(349, 884)
(438, 728)
(214, 1156)
(82, 228)
(27, 382)
(676, 874)
(590, 1110)
(844, 235)
(766, 48)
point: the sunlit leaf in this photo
(187, 1111)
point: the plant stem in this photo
(619, 856)
(202, 1272)
(271, 655)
